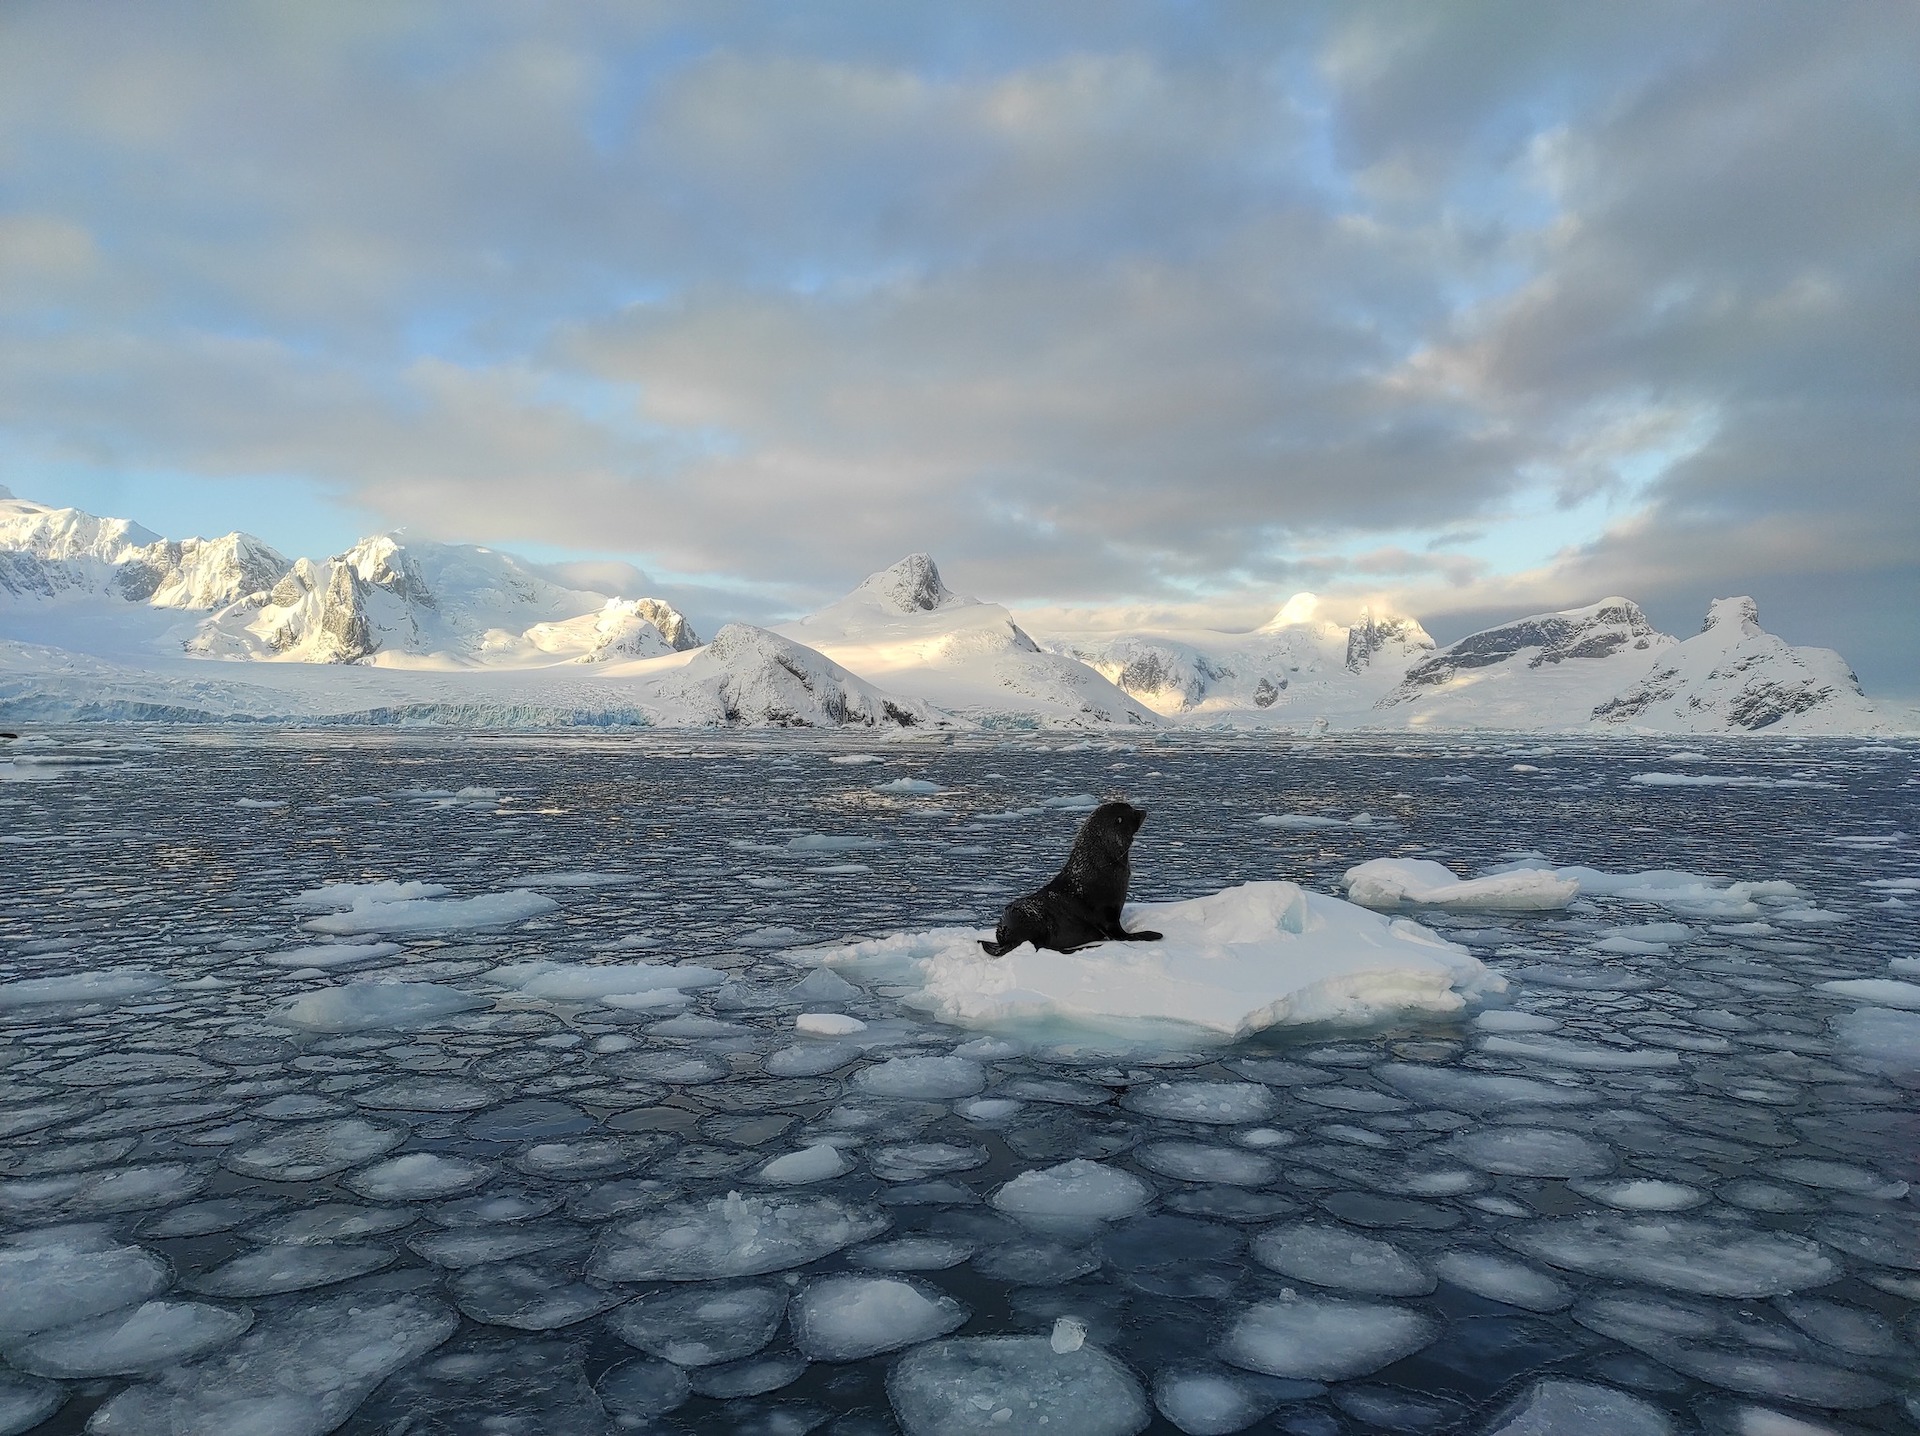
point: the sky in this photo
(1129, 313)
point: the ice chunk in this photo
(341, 897)
(1417, 882)
(917, 787)
(702, 1326)
(461, 1249)
(1532, 1152)
(314, 1151)
(300, 1372)
(1688, 894)
(1014, 1384)
(913, 1254)
(809, 1164)
(1248, 958)
(107, 985)
(636, 1393)
(1880, 991)
(418, 1176)
(427, 1094)
(1220, 1103)
(1641, 1194)
(581, 982)
(1073, 1195)
(1335, 1257)
(331, 1221)
(673, 1066)
(56, 1276)
(827, 1024)
(332, 954)
(134, 1341)
(921, 1079)
(1499, 1278)
(427, 916)
(843, 1318)
(915, 1161)
(1209, 1401)
(823, 985)
(367, 1006)
(1883, 1039)
(1207, 1162)
(1680, 1254)
(1562, 1408)
(731, 1237)
(273, 1269)
(1470, 1091)
(1565, 1052)
(26, 1401)
(1324, 1338)
(527, 1297)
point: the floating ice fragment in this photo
(527, 1297)
(1499, 1278)
(418, 1176)
(267, 1271)
(300, 1372)
(26, 1401)
(1881, 1039)
(1563, 1408)
(827, 1024)
(1220, 1103)
(369, 1006)
(702, 1326)
(980, 1385)
(107, 985)
(1073, 1195)
(1324, 1338)
(1565, 1052)
(1206, 1162)
(845, 1318)
(915, 1161)
(732, 1236)
(313, 1151)
(326, 955)
(1532, 1152)
(810, 1164)
(921, 1079)
(1680, 1254)
(1470, 1091)
(581, 982)
(917, 787)
(1210, 1401)
(56, 1276)
(1641, 1194)
(635, 1393)
(1418, 882)
(340, 897)
(1334, 1257)
(1248, 958)
(427, 1094)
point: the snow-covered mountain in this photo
(1293, 664)
(753, 678)
(49, 554)
(904, 628)
(1734, 676)
(411, 605)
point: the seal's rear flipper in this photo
(997, 949)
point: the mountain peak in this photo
(1738, 616)
(910, 586)
(5, 492)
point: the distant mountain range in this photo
(101, 618)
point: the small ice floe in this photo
(1550, 1407)
(1390, 883)
(922, 1079)
(1251, 957)
(326, 955)
(845, 1318)
(418, 1176)
(424, 916)
(1214, 1103)
(57, 1276)
(1722, 780)
(262, 803)
(371, 1006)
(1015, 1384)
(1075, 1196)
(818, 1163)
(1689, 894)
(605, 983)
(909, 787)
(1712, 1258)
(704, 1326)
(572, 880)
(732, 1236)
(105, 986)
(1336, 1257)
(855, 760)
(1309, 822)
(1324, 1338)
(1501, 1278)
(134, 1341)
(827, 1024)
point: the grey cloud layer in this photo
(1129, 303)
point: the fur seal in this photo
(1082, 904)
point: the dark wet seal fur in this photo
(1081, 906)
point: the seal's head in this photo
(1113, 824)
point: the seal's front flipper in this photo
(1144, 935)
(997, 949)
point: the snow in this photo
(1324, 1338)
(1416, 882)
(843, 1318)
(1256, 956)
(989, 1384)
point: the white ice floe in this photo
(424, 916)
(418, 1176)
(703, 1325)
(1206, 1162)
(922, 1079)
(1878, 991)
(1882, 1038)
(1532, 1152)
(369, 1006)
(1561, 1408)
(730, 1236)
(582, 982)
(1336, 1257)
(56, 1276)
(300, 1372)
(827, 1024)
(1324, 1338)
(134, 1341)
(804, 1167)
(1641, 1194)
(1214, 1103)
(1073, 1196)
(1308, 822)
(1689, 894)
(1255, 956)
(1564, 1052)
(1678, 1253)
(1500, 1278)
(845, 1318)
(314, 1151)
(1390, 883)
(343, 897)
(1014, 1384)
(332, 954)
(108, 985)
